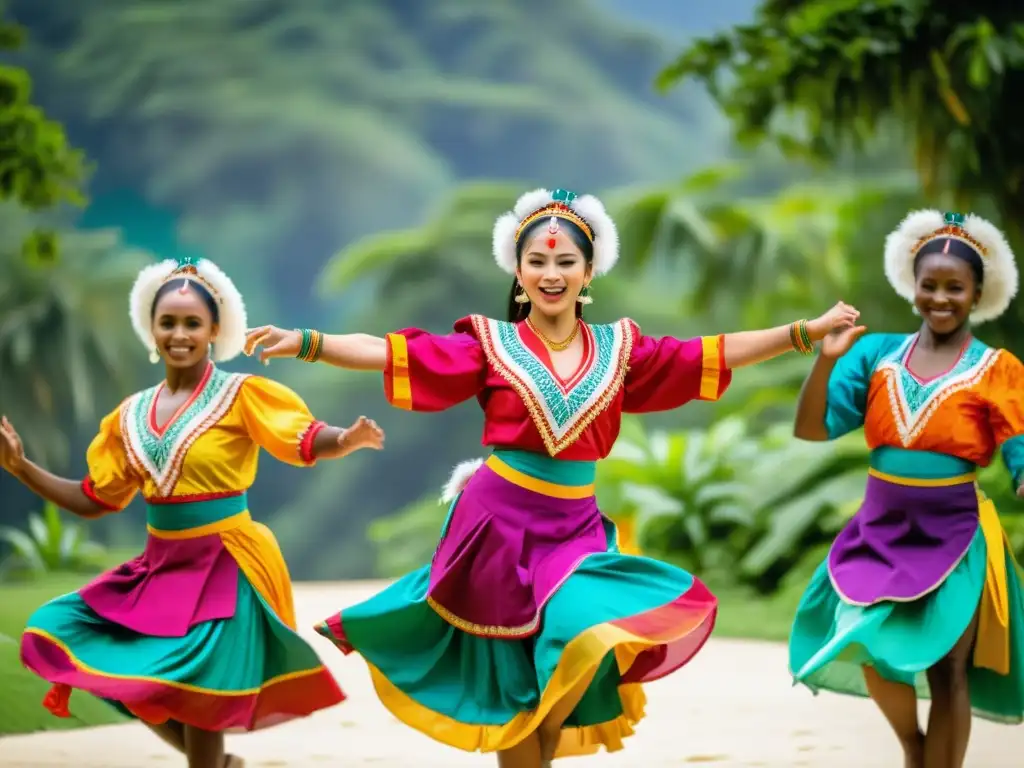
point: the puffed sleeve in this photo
(111, 482)
(278, 421)
(665, 373)
(1006, 412)
(425, 372)
(848, 385)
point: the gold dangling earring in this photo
(521, 297)
(154, 356)
(584, 297)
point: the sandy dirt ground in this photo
(732, 706)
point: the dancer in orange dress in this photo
(920, 595)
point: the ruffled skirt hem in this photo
(618, 621)
(243, 673)
(832, 640)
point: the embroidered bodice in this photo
(209, 447)
(527, 405)
(970, 411)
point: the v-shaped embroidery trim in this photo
(560, 417)
(162, 456)
(912, 402)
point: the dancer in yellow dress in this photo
(197, 635)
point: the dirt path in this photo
(733, 706)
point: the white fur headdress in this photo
(921, 227)
(587, 212)
(232, 323)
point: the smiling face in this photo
(946, 292)
(183, 328)
(553, 271)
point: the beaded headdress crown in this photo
(187, 267)
(953, 228)
(560, 207)
(584, 211)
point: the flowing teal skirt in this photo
(483, 693)
(247, 672)
(832, 640)
(199, 629)
(609, 623)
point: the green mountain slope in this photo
(283, 130)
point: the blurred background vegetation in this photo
(345, 161)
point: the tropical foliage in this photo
(49, 545)
(66, 348)
(818, 78)
(405, 539)
(808, 74)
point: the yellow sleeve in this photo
(111, 482)
(279, 421)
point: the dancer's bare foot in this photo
(233, 761)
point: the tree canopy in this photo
(38, 167)
(819, 76)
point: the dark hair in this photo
(517, 311)
(199, 288)
(954, 247)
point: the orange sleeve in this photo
(1006, 412)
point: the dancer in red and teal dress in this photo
(197, 635)
(530, 634)
(920, 595)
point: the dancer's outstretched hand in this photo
(12, 452)
(272, 342)
(841, 316)
(837, 330)
(363, 434)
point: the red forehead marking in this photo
(552, 242)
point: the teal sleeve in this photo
(1013, 458)
(1006, 412)
(848, 385)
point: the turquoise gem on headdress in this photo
(954, 219)
(563, 196)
